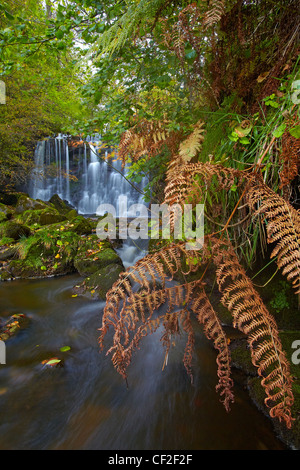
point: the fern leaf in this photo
(192, 144)
(252, 318)
(214, 14)
(213, 330)
(283, 229)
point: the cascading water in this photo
(99, 178)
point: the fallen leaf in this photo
(262, 77)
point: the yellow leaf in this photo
(262, 77)
(57, 256)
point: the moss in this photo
(62, 206)
(5, 212)
(41, 217)
(26, 203)
(71, 214)
(14, 230)
(94, 254)
(80, 225)
(241, 357)
(98, 284)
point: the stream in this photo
(85, 404)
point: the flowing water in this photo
(86, 405)
(96, 177)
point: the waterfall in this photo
(96, 176)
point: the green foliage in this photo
(41, 88)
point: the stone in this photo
(61, 205)
(98, 284)
(94, 254)
(14, 230)
(25, 203)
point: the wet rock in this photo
(98, 284)
(42, 217)
(11, 327)
(94, 254)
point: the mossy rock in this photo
(62, 206)
(41, 217)
(80, 225)
(71, 214)
(13, 326)
(10, 199)
(6, 213)
(3, 217)
(49, 217)
(94, 254)
(14, 230)
(7, 252)
(98, 284)
(20, 269)
(26, 203)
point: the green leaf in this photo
(59, 34)
(65, 348)
(245, 141)
(8, 15)
(51, 362)
(295, 132)
(280, 130)
(59, 242)
(43, 268)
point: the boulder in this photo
(62, 206)
(5, 213)
(80, 225)
(94, 254)
(98, 284)
(10, 199)
(14, 230)
(42, 217)
(25, 203)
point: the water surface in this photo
(85, 404)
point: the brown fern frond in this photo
(213, 330)
(283, 229)
(252, 318)
(192, 144)
(290, 159)
(145, 139)
(149, 277)
(187, 183)
(214, 14)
